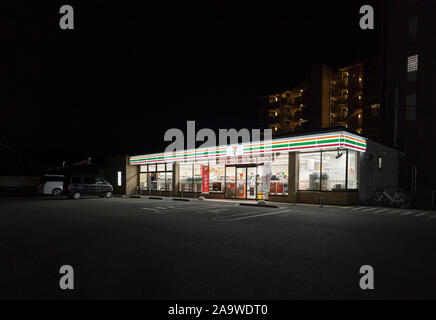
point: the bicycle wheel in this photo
(406, 201)
(376, 200)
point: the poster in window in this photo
(273, 188)
(205, 178)
(280, 188)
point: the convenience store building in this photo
(344, 167)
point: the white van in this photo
(51, 184)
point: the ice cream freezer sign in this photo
(205, 180)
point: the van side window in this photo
(100, 180)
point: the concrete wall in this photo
(371, 177)
(130, 174)
(10, 185)
(7, 181)
(131, 178)
(340, 198)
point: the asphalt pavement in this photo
(124, 248)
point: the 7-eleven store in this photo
(276, 170)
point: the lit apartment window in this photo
(412, 67)
(273, 113)
(411, 107)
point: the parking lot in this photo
(167, 249)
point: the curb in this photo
(259, 205)
(135, 197)
(181, 199)
(155, 198)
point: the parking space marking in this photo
(195, 207)
(237, 217)
(359, 208)
(432, 217)
(421, 214)
(151, 209)
(406, 213)
(382, 210)
(218, 211)
(370, 209)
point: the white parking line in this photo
(370, 209)
(217, 211)
(202, 207)
(383, 210)
(421, 214)
(227, 219)
(406, 213)
(432, 217)
(151, 209)
(359, 208)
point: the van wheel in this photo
(108, 194)
(76, 196)
(57, 192)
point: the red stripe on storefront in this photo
(351, 146)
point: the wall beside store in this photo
(373, 175)
(339, 198)
(129, 174)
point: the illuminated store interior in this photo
(273, 170)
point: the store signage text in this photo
(226, 137)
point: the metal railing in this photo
(191, 190)
(321, 196)
(142, 190)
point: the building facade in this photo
(349, 97)
(338, 164)
(409, 57)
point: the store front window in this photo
(143, 178)
(154, 177)
(309, 171)
(327, 171)
(279, 177)
(198, 179)
(185, 179)
(333, 170)
(216, 178)
(353, 157)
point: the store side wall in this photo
(371, 176)
(129, 174)
(131, 178)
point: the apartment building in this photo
(348, 97)
(409, 59)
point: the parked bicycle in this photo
(400, 199)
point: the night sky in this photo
(129, 72)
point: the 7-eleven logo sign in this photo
(234, 150)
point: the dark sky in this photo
(130, 71)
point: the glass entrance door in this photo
(242, 182)
(230, 182)
(241, 185)
(251, 183)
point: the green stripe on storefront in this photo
(297, 144)
(355, 143)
